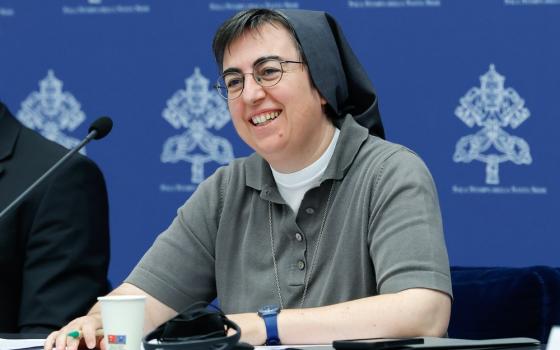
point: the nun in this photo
(326, 231)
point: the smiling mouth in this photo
(264, 118)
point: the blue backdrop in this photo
(471, 85)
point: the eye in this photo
(269, 70)
(233, 82)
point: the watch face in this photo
(268, 310)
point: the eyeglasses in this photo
(266, 73)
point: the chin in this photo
(269, 151)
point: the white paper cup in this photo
(123, 321)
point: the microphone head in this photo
(102, 125)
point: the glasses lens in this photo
(231, 85)
(221, 88)
(268, 73)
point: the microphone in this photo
(97, 130)
(101, 126)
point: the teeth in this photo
(259, 119)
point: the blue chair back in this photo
(502, 302)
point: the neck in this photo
(305, 157)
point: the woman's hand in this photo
(87, 327)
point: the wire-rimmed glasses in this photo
(266, 73)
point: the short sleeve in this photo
(178, 269)
(406, 237)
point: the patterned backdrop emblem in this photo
(492, 108)
(197, 109)
(50, 111)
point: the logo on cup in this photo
(116, 339)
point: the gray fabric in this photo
(335, 70)
(383, 233)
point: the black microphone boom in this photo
(97, 130)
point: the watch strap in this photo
(271, 324)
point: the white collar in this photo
(310, 173)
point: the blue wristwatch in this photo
(269, 314)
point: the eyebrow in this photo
(257, 61)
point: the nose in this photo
(252, 92)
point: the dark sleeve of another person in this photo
(67, 250)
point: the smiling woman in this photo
(301, 131)
(327, 231)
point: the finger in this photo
(60, 339)
(101, 344)
(88, 333)
(72, 343)
(49, 342)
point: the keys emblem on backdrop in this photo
(197, 109)
(492, 108)
(50, 111)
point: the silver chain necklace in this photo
(317, 243)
